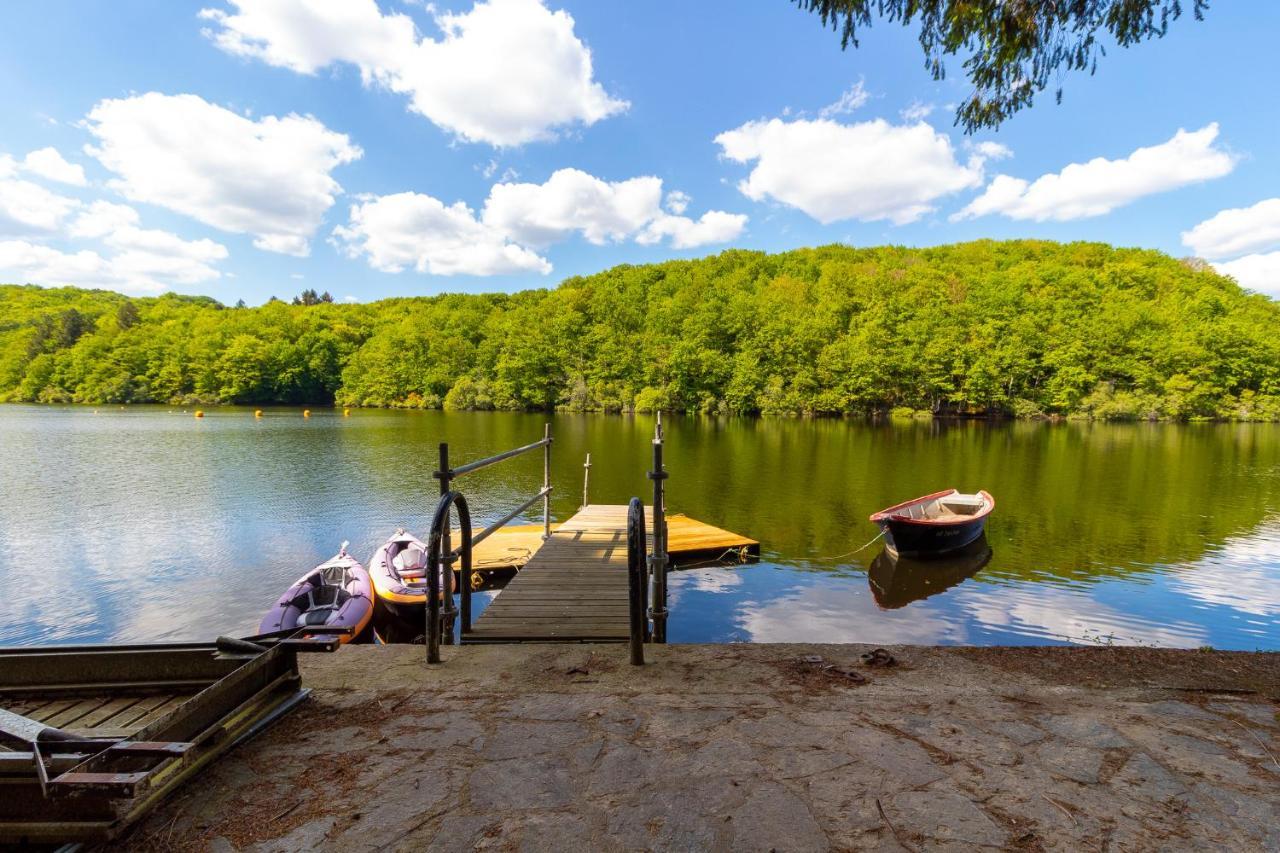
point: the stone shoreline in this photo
(753, 747)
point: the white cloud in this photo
(505, 73)
(49, 164)
(1236, 231)
(269, 178)
(153, 262)
(853, 98)
(677, 202)
(413, 230)
(1099, 186)
(715, 226)
(867, 171)
(917, 111)
(27, 208)
(102, 218)
(409, 229)
(572, 201)
(140, 260)
(1260, 272)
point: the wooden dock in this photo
(573, 588)
(513, 546)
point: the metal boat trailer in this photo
(93, 737)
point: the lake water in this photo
(148, 524)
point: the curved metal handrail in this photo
(636, 579)
(440, 578)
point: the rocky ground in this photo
(753, 747)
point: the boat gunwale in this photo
(887, 515)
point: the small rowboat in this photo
(335, 594)
(399, 572)
(936, 524)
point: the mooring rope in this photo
(854, 551)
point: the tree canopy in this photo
(1022, 328)
(1013, 48)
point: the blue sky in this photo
(248, 149)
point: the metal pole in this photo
(546, 482)
(658, 559)
(635, 580)
(586, 481)
(446, 546)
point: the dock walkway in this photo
(573, 589)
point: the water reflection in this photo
(897, 581)
(146, 524)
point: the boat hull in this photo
(914, 540)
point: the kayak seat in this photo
(411, 562)
(320, 601)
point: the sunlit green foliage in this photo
(1022, 328)
(1013, 49)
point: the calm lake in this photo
(148, 524)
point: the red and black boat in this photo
(936, 524)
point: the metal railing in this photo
(636, 581)
(441, 554)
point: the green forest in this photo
(1017, 328)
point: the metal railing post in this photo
(635, 579)
(658, 557)
(440, 572)
(546, 482)
(586, 481)
(446, 484)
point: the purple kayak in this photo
(336, 593)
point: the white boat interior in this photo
(946, 508)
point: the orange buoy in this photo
(306, 413)
(346, 413)
(199, 414)
(257, 413)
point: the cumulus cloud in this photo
(50, 165)
(1236, 231)
(148, 262)
(135, 259)
(1259, 271)
(269, 177)
(715, 226)
(1099, 186)
(573, 201)
(412, 230)
(677, 202)
(28, 208)
(867, 171)
(507, 72)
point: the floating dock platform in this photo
(572, 587)
(510, 548)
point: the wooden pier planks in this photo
(573, 589)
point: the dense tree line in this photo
(1022, 328)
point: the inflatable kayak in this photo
(399, 573)
(336, 594)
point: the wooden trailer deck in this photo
(574, 586)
